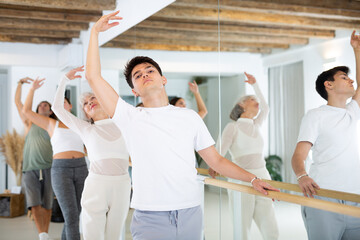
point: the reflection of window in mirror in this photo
(71, 94)
(286, 102)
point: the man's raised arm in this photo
(105, 94)
(355, 43)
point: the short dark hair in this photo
(328, 76)
(53, 116)
(136, 61)
(174, 100)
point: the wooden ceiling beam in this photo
(42, 25)
(174, 47)
(39, 33)
(37, 40)
(323, 7)
(189, 42)
(198, 26)
(46, 15)
(187, 13)
(335, 4)
(201, 36)
(66, 4)
(59, 10)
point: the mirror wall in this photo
(217, 63)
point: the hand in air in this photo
(194, 88)
(72, 73)
(355, 41)
(26, 80)
(103, 23)
(251, 79)
(37, 83)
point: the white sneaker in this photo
(43, 236)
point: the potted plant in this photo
(273, 165)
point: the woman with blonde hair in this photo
(106, 197)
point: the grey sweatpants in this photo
(68, 177)
(321, 225)
(183, 224)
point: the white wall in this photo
(194, 63)
(22, 54)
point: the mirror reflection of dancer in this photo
(331, 132)
(68, 170)
(180, 102)
(106, 196)
(36, 164)
(242, 138)
(161, 140)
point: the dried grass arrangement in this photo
(12, 145)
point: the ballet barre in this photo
(319, 192)
(287, 197)
(295, 187)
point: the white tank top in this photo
(65, 140)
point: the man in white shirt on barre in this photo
(161, 139)
(331, 132)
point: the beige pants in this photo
(246, 207)
(105, 205)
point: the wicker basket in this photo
(16, 204)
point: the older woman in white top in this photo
(106, 197)
(243, 140)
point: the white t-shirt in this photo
(161, 143)
(103, 140)
(333, 133)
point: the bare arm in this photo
(355, 43)
(102, 89)
(306, 183)
(44, 122)
(231, 170)
(66, 117)
(202, 110)
(227, 138)
(18, 102)
(264, 107)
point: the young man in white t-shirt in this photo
(161, 139)
(331, 132)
